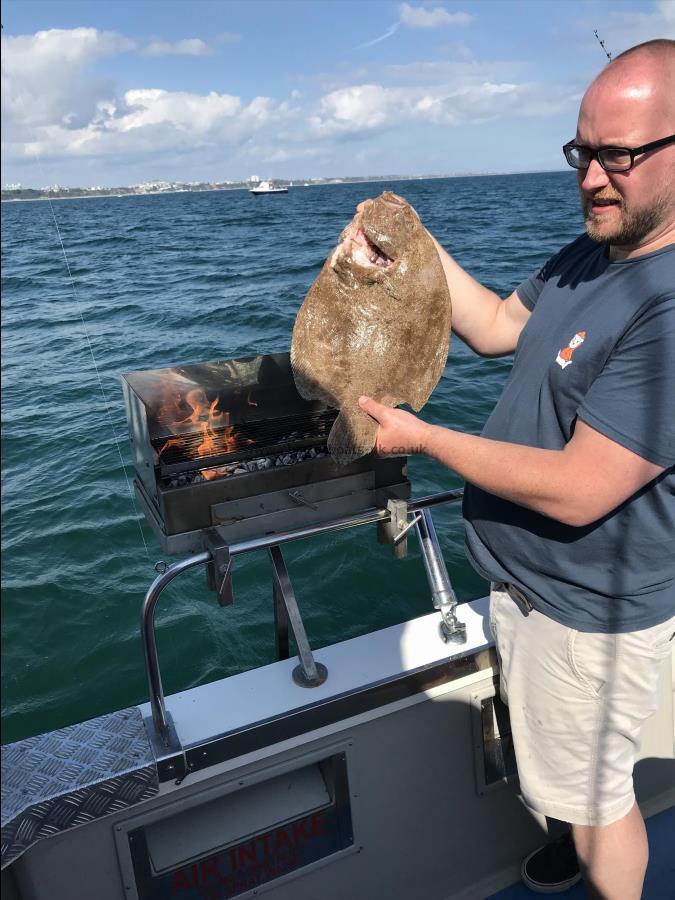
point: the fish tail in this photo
(352, 436)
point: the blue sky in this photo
(116, 92)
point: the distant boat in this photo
(268, 187)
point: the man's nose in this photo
(595, 177)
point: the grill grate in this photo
(245, 439)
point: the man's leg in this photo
(613, 858)
(577, 703)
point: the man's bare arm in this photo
(489, 325)
(577, 485)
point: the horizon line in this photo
(334, 179)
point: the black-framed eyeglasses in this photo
(612, 159)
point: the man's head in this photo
(630, 104)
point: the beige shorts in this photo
(577, 702)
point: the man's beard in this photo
(633, 227)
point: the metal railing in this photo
(308, 673)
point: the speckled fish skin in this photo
(376, 321)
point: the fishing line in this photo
(93, 359)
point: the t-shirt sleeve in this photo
(531, 288)
(632, 401)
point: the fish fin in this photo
(352, 436)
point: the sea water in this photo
(168, 279)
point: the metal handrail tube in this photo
(150, 644)
(367, 517)
(435, 499)
(284, 537)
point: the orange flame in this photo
(203, 414)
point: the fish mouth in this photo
(364, 251)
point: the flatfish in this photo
(376, 321)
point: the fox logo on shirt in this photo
(564, 357)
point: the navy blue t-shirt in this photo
(600, 346)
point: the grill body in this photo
(232, 444)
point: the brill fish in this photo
(376, 321)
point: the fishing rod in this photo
(602, 44)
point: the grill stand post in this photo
(442, 593)
(280, 621)
(219, 570)
(308, 673)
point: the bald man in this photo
(570, 497)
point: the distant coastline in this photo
(155, 188)
(22, 195)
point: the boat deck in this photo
(660, 879)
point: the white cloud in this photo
(283, 154)
(666, 9)
(187, 47)
(369, 108)
(181, 110)
(438, 17)
(43, 80)
(455, 72)
(153, 120)
(53, 107)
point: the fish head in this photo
(377, 238)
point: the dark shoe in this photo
(552, 868)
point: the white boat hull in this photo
(388, 780)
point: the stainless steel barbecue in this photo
(232, 444)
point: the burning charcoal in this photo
(240, 471)
(182, 480)
(312, 453)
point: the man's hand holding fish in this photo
(400, 433)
